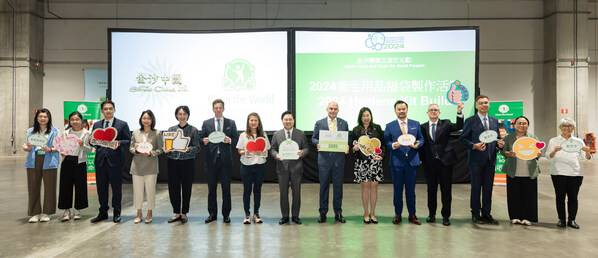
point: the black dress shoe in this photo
(116, 217)
(367, 220)
(573, 224)
(184, 219)
(431, 219)
(561, 223)
(414, 220)
(210, 219)
(296, 220)
(446, 221)
(396, 220)
(322, 218)
(175, 218)
(283, 221)
(374, 221)
(490, 220)
(477, 220)
(100, 217)
(339, 218)
(226, 220)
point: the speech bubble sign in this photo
(406, 140)
(216, 137)
(572, 145)
(144, 147)
(488, 136)
(38, 140)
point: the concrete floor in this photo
(353, 239)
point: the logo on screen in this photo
(457, 93)
(239, 74)
(158, 77)
(378, 41)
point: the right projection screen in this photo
(375, 69)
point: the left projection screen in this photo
(163, 70)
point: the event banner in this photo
(375, 69)
(505, 112)
(91, 113)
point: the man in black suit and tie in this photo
(219, 160)
(482, 160)
(331, 164)
(290, 172)
(109, 163)
(438, 157)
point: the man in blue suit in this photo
(219, 160)
(482, 160)
(109, 163)
(404, 160)
(331, 164)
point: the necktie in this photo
(333, 126)
(218, 125)
(288, 135)
(106, 123)
(403, 127)
(433, 132)
(485, 123)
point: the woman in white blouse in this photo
(253, 146)
(565, 170)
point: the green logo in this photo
(239, 74)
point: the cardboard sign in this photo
(176, 141)
(38, 140)
(288, 150)
(488, 136)
(406, 140)
(369, 146)
(216, 137)
(527, 148)
(104, 137)
(68, 144)
(572, 145)
(144, 147)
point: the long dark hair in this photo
(361, 111)
(260, 130)
(75, 113)
(36, 126)
(152, 117)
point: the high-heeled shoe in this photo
(366, 220)
(374, 220)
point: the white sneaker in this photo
(66, 216)
(34, 219)
(77, 215)
(526, 222)
(44, 218)
(515, 221)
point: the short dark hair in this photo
(401, 102)
(184, 108)
(152, 117)
(216, 101)
(519, 117)
(481, 97)
(105, 102)
(37, 126)
(75, 113)
(287, 113)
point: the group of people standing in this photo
(430, 148)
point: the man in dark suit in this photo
(404, 160)
(289, 171)
(438, 157)
(331, 164)
(109, 163)
(482, 160)
(219, 160)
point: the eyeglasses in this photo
(433, 110)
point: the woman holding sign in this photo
(181, 143)
(521, 152)
(146, 146)
(253, 146)
(73, 171)
(41, 164)
(367, 146)
(565, 151)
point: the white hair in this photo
(566, 121)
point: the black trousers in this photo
(522, 198)
(219, 170)
(180, 182)
(253, 177)
(439, 174)
(566, 187)
(109, 176)
(72, 174)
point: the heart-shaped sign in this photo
(105, 134)
(368, 145)
(488, 136)
(68, 144)
(540, 145)
(257, 145)
(406, 140)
